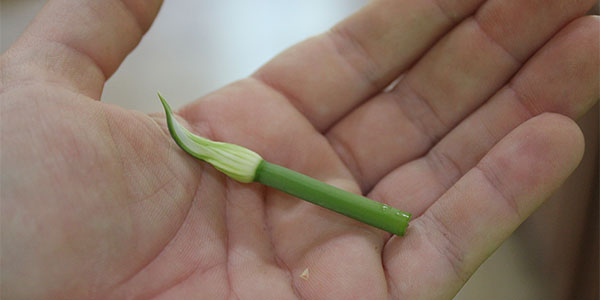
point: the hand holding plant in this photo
(99, 202)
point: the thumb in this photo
(79, 44)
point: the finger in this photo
(457, 75)
(563, 77)
(80, 43)
(326, 76)
(304, 236)
(456, 234)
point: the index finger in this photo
(326, 76)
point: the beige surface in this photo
(197, 46)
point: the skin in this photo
(99, 202)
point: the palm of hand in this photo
(115, 209)
(128, 203)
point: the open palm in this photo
(99, 202)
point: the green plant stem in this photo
(352, 205)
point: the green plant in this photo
(245, 166)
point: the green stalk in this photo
(245, 165)
(348, 204)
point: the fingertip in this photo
(564, 76)
(538, 155)
(591, 22)
(565, 138)
(534, 159)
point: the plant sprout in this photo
(246, 166)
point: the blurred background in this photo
(195, 47)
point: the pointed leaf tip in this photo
(164, 103)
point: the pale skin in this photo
(99, 202)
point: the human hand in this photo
(98, 201)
